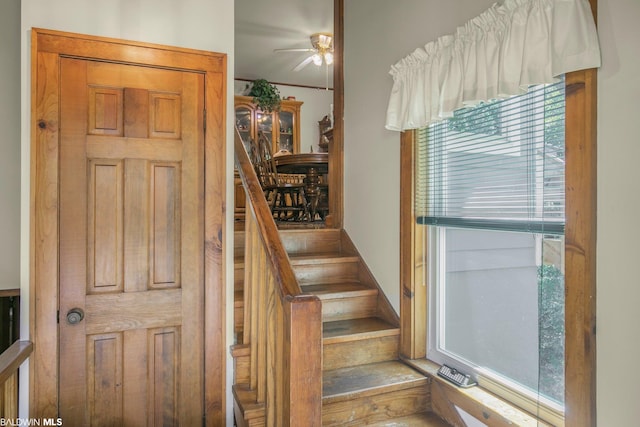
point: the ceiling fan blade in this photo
(293, 50)
(303, 64)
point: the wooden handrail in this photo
(10, 361)
(266, 225)
(12, 358)
(10, 292)
(282, 326)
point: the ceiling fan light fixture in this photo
(328, 58)
(317, 59)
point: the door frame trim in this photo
(47, 47)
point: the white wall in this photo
(317, 104)
(198, 24)
(378, 33)
(618, 317)
(10, 145)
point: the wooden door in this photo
(131, 180)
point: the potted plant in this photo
(265, 95)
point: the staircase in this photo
(364, 382)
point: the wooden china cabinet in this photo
(282, 128)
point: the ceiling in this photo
(262, 26)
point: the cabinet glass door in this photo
(264, 122)
(243, 123)
(285, 141)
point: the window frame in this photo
(580, 256)
(517, 129)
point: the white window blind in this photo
(498, 165)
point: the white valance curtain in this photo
(495, 55)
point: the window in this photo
(490, 192)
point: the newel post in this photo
(303, 361)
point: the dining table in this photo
(312, 165)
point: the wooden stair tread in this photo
(321, 258)
(424, 419)
(312, 233)
(357, 329)
(371, 379)
(337, 290)
(246, 398)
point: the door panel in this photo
(105, 260)
(105, 111)
(131, 245)
(165, 230)
(104, 378)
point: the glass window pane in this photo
(501, 305)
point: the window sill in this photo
(476, 401)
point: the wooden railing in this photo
(10, 361)
(282, 327)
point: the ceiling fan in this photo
(321, 51)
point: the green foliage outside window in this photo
(551, 338)
(483, 119)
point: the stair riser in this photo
(385, 406)
(238, 317)
(311, 241)
(238, 243)
(336, 272)
(349, 308)
(360, 352)
(238, 277)
(241, 363)
(241, 370)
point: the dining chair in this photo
(322, 203)
(286, 197)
